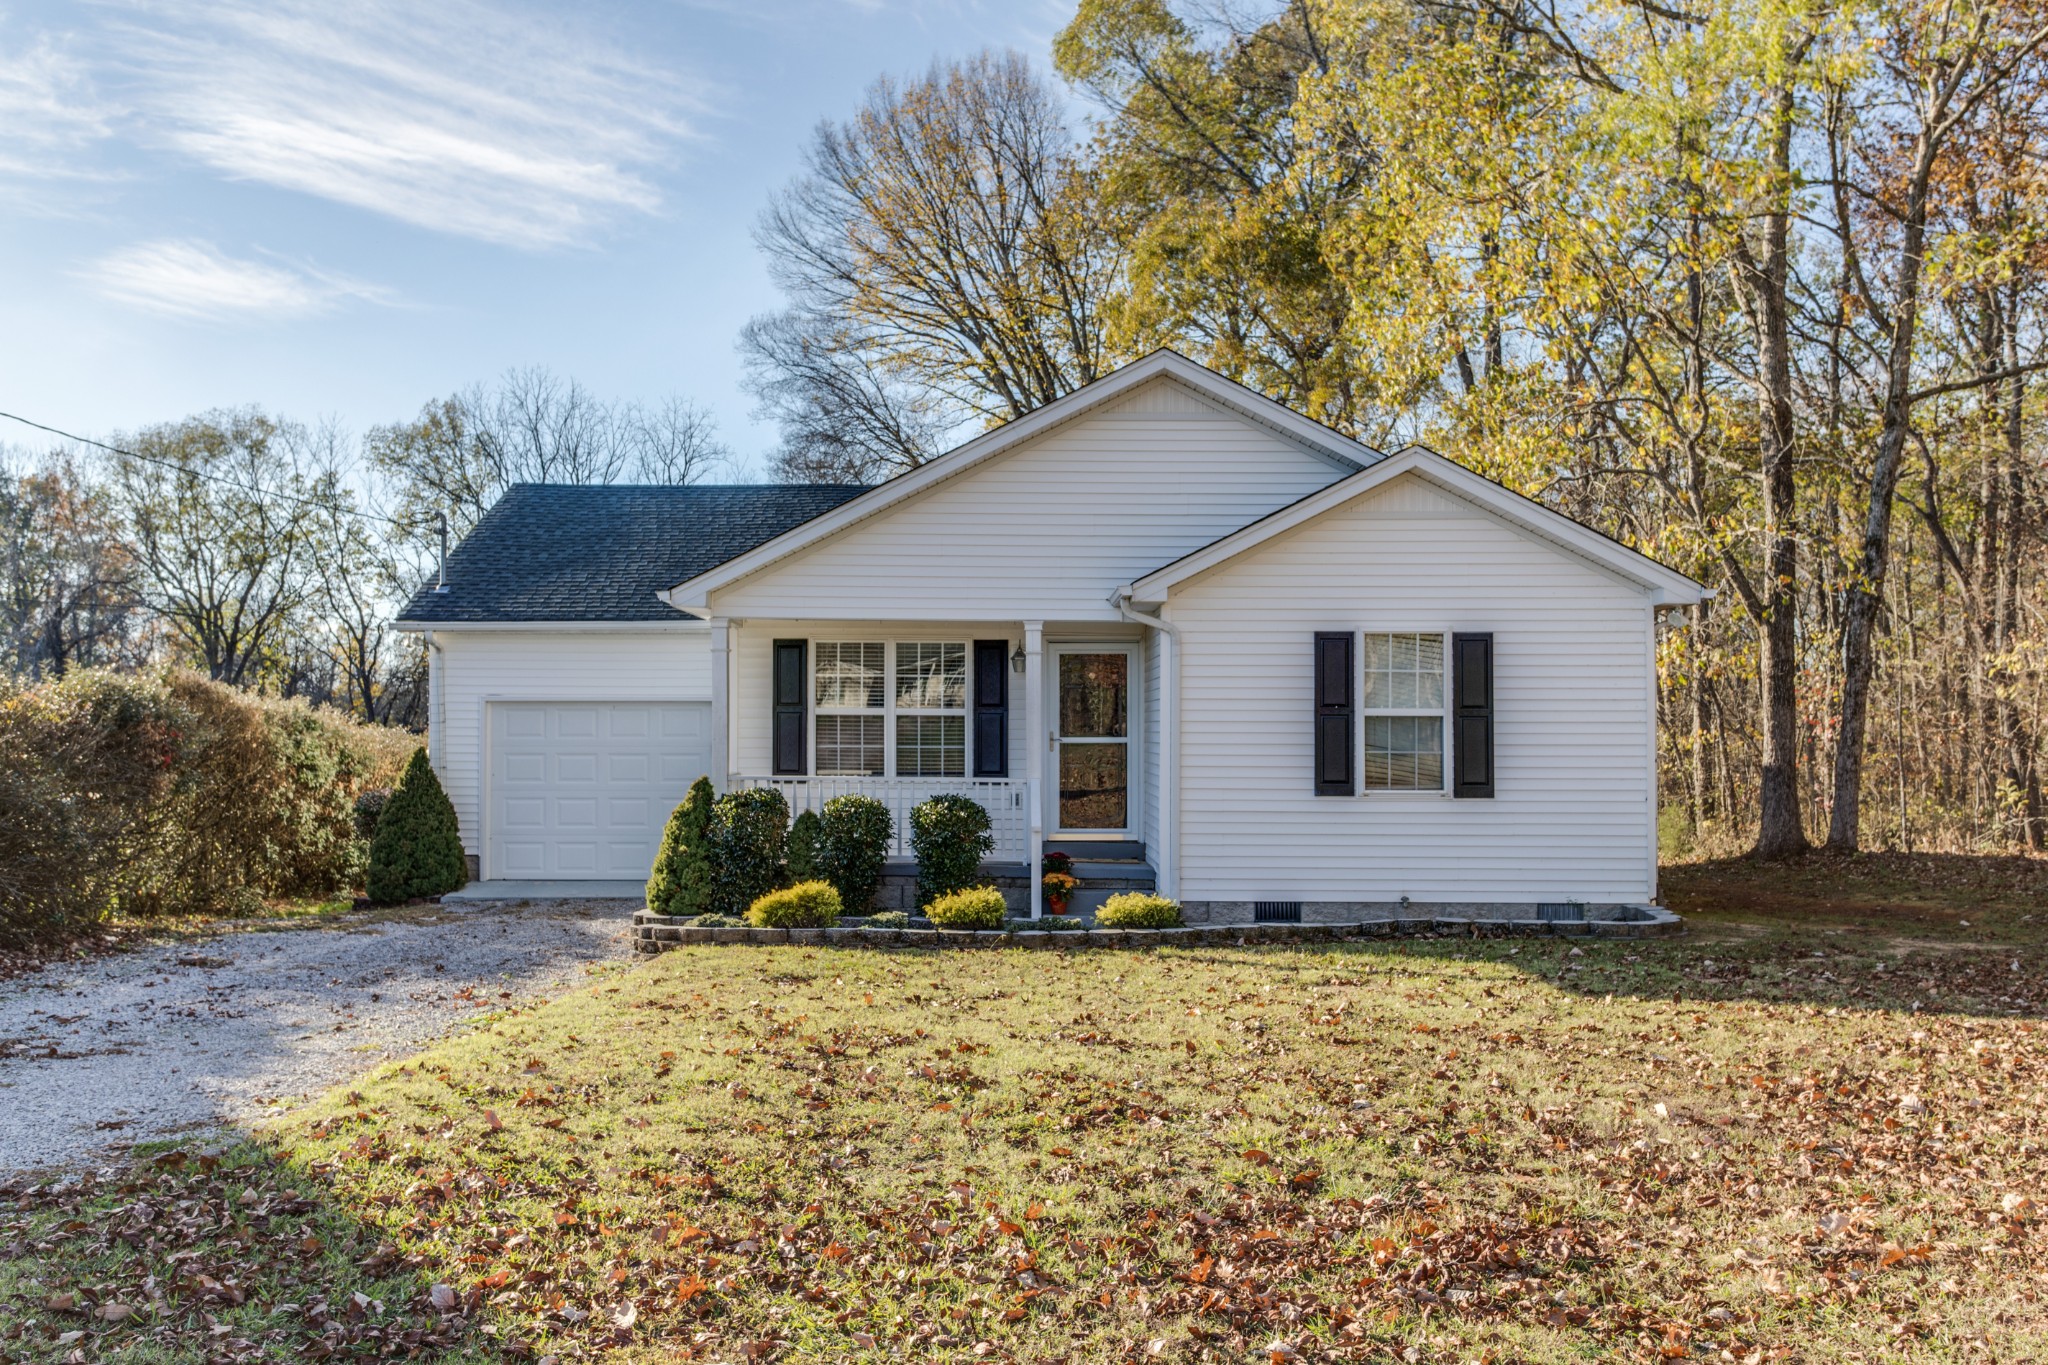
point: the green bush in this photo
(167, 793)
(679, 883)
(1138, 910)
(749, 832)
(418, 849)
(889, 919)
(804, 833)
(977, 907)
(853, 843)
(1051, 924)
(950, 835)
(369, 810)
(719, 922)
(807, 905)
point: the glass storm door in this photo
(1092, 731)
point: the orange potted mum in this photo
(1059, 889)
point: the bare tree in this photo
(945, 262)
(221, 512)
(67, 592)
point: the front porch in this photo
(1055, 729)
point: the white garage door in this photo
(582, 789)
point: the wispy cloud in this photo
(50, 111)
(469, 117)
(191, 279)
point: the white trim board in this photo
(1668, 586)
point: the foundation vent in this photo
(1570, 910)
(1276, 912)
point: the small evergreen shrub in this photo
(1138, 910)
(417, 850)
(889, 919)
(1048, 925)
(853, 841)
(680, 881)
(370, 809)
(749, 836)
(977, 907)
(719, 922)
(804, 834)
(807, 905)
(950, 835)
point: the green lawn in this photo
(1809, 1141)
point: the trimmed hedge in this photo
(679, 883)
(853, 842)
(417, 850)
(164, 793)
(807, 905)
(748, 836)
(950, 835)
(1138, 910)
(977, 907)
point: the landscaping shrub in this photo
(719, 922)
(369, 809)
(803, 847)
(853, 843)
(807, 905)
(889, 919)
(167, 793)
(418, 849)
(950, 835)
(977, 907)
(679, 883)
(1138, 910)
(749, 832)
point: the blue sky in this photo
(342, 208)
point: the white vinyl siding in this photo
(1045, 531)
(1573, 705)
(564, 666)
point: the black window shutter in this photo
(991, 708)
(790, 670)
(1472, 715)
(1336, 737)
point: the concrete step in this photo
(1125, 872)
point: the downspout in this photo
(1169, 741)
(437, 704)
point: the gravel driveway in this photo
(187, 1035)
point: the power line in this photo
(210, 477)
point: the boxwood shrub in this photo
(950, 835)
(1138, 910)
(748, 835)
(977, 907)
(889, 919)
(807, 905)
(853, 841)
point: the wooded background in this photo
(1755, 288)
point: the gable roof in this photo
(1668, 586)
(603, 552)
(1338, 450)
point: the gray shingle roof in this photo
(559, 552)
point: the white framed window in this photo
(1403, 711)
(931, 706)
(850, 698)
(889, 710)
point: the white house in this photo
(1164, 624)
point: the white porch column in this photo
(1034, 757)
(1168, 852)
(721, 704)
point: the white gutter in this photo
(1169, 739)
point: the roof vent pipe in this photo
(441, 574)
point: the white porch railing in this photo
(1007, 801)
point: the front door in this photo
(1092, 732)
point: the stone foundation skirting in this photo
(658, 933)
(1369, 912)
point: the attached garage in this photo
(581, 790)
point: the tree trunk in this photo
(1780, 831)
(1866, 592)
